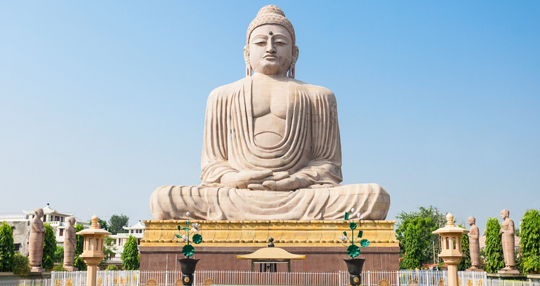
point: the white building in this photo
(117, 247)
(20, 223)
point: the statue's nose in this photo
(270, 47)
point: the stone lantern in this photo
(93, 249)
(451, 247)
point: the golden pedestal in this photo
(223, 240)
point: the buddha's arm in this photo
(325, 165)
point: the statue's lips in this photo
(270, 57)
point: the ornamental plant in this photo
(7, 248)
(189, 236)
(530, 241)
(353, 250)
(49, 248)
(493, 250)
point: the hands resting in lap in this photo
(268, 180)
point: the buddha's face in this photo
(471, 220)
(39, 213)
(504, 214)
(270, 50)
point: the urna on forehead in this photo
(271, 14)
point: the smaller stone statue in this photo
(474, 245)
(508, 243)
(37, 236)
(70, 244)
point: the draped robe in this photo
(310, 149)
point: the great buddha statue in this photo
(271, 148)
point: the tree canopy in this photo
(117, 223)
(7, 248)
(130, 255)
(466, 261)
(428, 244)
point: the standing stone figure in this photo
(70, 244)
(508, 243)
(271, 147)
(474, 245)
(37, 237)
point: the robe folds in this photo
(309, 149)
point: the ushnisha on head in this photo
(471, 220)
(505, 213)
(270, 44)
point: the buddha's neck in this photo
(260, 76)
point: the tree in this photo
(49, 248)
(112, 267)
(79, 262)
(7, 248)
(530, 241)
(431, 247)
(130, 255)
(59, 254)
(494, 252)
(117, 223)
(466, 261)
(414, 241)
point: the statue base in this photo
(474, 268)
(505, 270)
(223, 240)
(70, 268)
(37, 269)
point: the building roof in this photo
(47, 210)
(138, 225)
(271, 253)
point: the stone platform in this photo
(223, 240)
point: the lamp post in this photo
(93, 249)
(451, 247)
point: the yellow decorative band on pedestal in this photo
(380, 233)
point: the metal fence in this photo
(497, 282)
(104, 278)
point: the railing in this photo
(266, 278)
(103, 278)
(25, 282)
(206, 278)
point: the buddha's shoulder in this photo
(315, 90)
(228, 89)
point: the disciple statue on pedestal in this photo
(271, 148)
(37, 237)
(474, 245)
(70, 245)
(508, 243)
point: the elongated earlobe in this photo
(246, 59)
(292, 67)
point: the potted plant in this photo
(354, 265)
(188, 264)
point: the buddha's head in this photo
(471, 220)
(505, 213)
(270, 47)
(71, 221)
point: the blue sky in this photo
(101, 102)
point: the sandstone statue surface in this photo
(37, 237)
(271, 148)
(474, 245)
(508, 243)
(70, 245)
